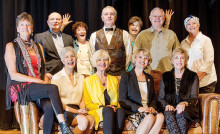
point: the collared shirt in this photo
(201, 57)
(161, 44)
(58, 41)
(69, 93)
(108, 34)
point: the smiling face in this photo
(81, 33)
(179, 61)
(109, 17)
(69, 60)
(134, 28)
(102, 64)
(54, 21)
(192, 26)
(24, 28)
(157, 18)
(141, 60)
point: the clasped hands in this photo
(83, 111)
(147, 110)
(179, 108)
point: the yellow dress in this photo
(94, 95)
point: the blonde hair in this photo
(100, 54)
(182, 51)
(146, 52)
(134, 19)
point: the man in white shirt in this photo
(53, 41)
(113, 39)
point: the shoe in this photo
(65, 128)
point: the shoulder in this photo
(79, 76)
(57, 75)
(42, 34)
(67, 35)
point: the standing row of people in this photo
(97, 95)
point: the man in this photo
(113, 39)
(53, 41)
(160, 41)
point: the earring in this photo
(18, 34)
(32, 34)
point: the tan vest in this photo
(116, 50)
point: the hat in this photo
(191, 17)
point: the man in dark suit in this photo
(53, 41)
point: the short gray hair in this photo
(100, 54)
(109, 7)
(157, 8)
(65, 49)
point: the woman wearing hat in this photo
(201, 55)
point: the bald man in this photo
(53, 40)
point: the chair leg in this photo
(25, 121)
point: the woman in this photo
(26, 76)
(135, 24)
(101, 95)
(136, 96)
(70, 85)
(178, 94)
(82, 49)
(201, 55)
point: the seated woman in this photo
(101, 95)
(70, 85)
(137, 97)
(26, 80)
(178, 94)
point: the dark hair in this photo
(134, 19)
(24, 16)
(79, 24)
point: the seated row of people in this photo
(26, 72)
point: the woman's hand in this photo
(151, 110)
(169, 108)
(113, 107)
(142, 109)
(181, 107)
(83, 111)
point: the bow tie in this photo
(108, 29)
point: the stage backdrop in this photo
(89, 11)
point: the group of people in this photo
(80, 83)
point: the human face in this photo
(192, 26)
(102, 64)
(69, 60)
(109, 17)
(54, 22)
(134, 28)
(24, 28)
(141, 60)
(81, 33)
(179, 61)
(157, 18)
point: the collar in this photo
(114, 27)
(198, 37)
(64, 74)
(153, 30)
(54, 34)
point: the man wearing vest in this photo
(113, 39)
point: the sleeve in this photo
(193, 99)
(138, 42)
(92, 42)
(208, 56)
(128, 48)
(87, 98)
(176, 42)
(161, 97)
(124, 101)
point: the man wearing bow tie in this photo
(113, 39)
(53, 40)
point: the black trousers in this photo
(47, 98)
(113, 122)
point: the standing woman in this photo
(70, 85)
(178, 94)
(201, 55)
(26, 80)
(137, 97)
(101, 95)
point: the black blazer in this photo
(129, 92)
(52, 58)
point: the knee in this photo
(91, 120)
(149, 117)
(83, 122)
(52, 88)
(160, 117)
(107, 110)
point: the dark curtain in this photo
(89, 11)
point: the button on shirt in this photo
(161, 44)
(201, 57)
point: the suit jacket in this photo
(129, 92)
(52, 58)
